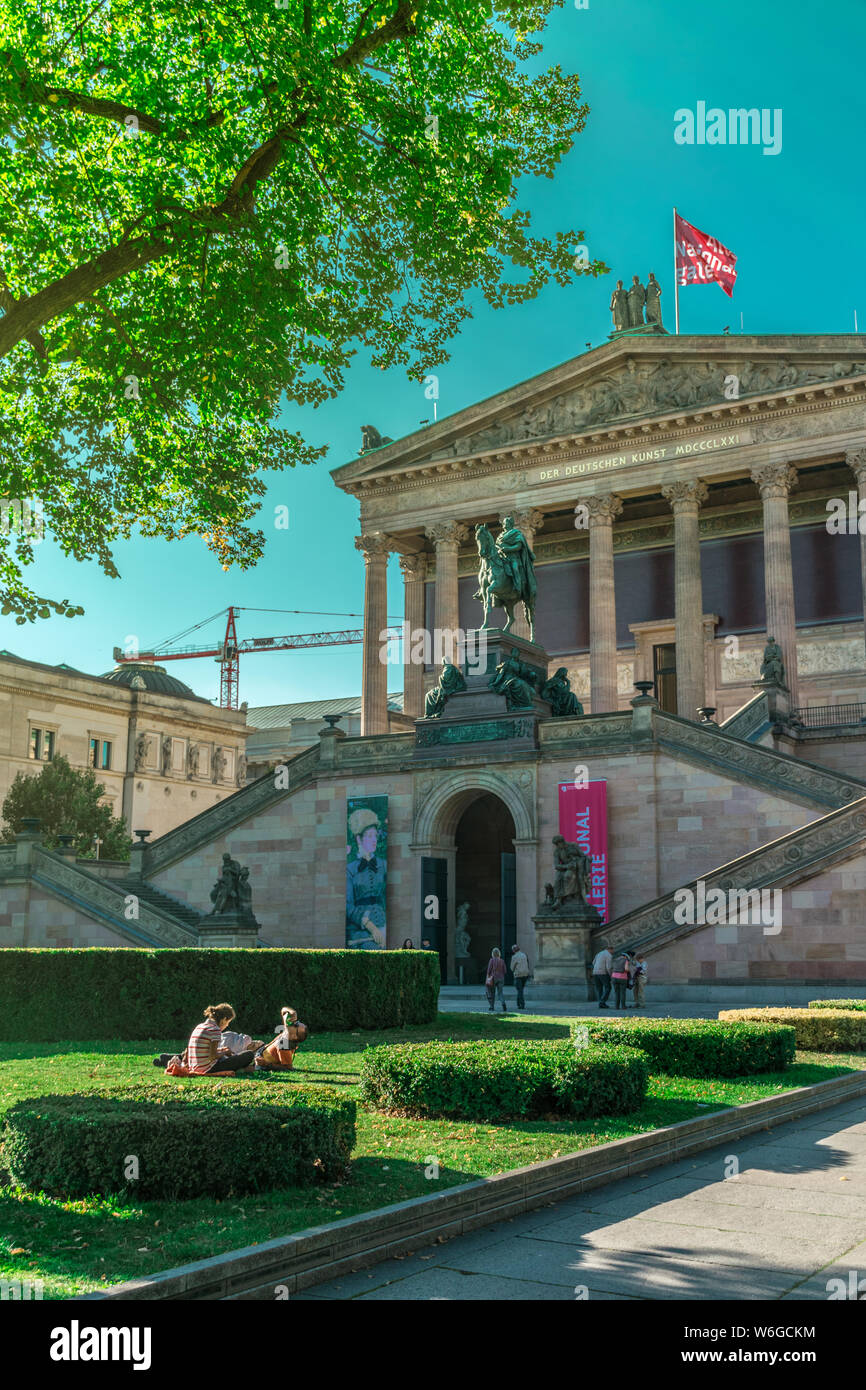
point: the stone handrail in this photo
(797, 855)
(101, 899)
(750, 719)
(217, 820)
(713, 747)
(8, 857)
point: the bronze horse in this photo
(496, 587)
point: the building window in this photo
(41, 745)
(94, 752)
(106, 755)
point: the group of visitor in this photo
(619, 972)
(494, 981)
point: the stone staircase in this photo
(120, 904)
(166, 903)
(798, 855)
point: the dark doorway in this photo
(665, 676)
(434, 909)
(485, 878)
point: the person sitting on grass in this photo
(206, 1053)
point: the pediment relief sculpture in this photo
(647, 388)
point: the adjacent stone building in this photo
(162, 752)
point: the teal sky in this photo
(795, 221)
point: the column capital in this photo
(601, 508)
(447, 533)
(374, 545)
(774, 479)
(527, 518)
(413, 566)
(690, 494)
(856, 461)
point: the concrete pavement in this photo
(792, 1220)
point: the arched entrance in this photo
(484, 873)
(475, 841)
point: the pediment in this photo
(612, 387)
(641, 390)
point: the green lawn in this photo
(77, 1246)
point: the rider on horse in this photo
(517, 558)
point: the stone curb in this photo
(320, 1253)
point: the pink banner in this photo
(583, 818)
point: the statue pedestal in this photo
(563, 947)
(479, 716)
(228, 929)
(778, 699)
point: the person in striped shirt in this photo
(206, 1054)
(205, 1051)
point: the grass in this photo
(77, 1246)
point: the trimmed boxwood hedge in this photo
(858, 1005)
(128, 994)
(698, 1046)
(817, 1030)
(502, 1080)
(194, 1138)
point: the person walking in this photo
(619, 974)
(639, 978)
(520, 970)
(495, 980)
(601, 967)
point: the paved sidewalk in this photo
(793, 1219)
(576, 1008)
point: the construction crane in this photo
(229, 651)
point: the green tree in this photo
(207, 208)
(68, 801)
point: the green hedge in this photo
(857, 1005)
(502, 1080)
(817, 1030)
(131, 994)
(190, 1138)
(698, 1046)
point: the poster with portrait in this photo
(366, 872)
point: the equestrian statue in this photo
(506, 575)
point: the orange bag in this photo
(177, 1066)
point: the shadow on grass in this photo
(101, 1240)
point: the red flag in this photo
(702, 259)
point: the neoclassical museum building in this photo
(686, 499)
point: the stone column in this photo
(446, 536)
(685, 500)
(414, 568)
(602, 601)
(856, 461)
(530, 522)
(775, 481)
(374, 546)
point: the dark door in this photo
(508, 906)
(434, 909)
(665, 676)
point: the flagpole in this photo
(676, 283)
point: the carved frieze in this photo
(646, 388)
